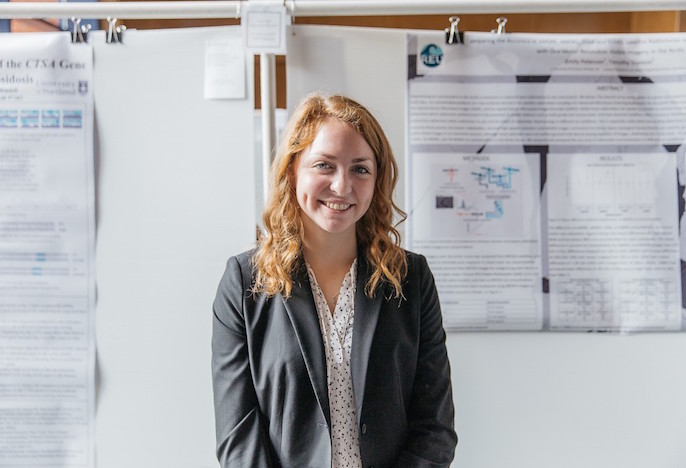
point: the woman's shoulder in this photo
(239, 268)
(244, 259)
(414, 260)
(418, 269)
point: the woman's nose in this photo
(341, 183)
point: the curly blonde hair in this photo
(279, 248)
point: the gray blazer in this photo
(269, 371)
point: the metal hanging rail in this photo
(232, 9)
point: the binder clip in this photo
(79, 32)
(114, 33)
(502, 21)
(452, 34)
(291, 14)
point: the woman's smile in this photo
(337, 206)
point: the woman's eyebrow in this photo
(335, 158)
(323, 155)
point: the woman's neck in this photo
(332, 251)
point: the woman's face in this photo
(335, 179)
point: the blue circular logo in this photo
(432, 55)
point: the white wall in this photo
(173, 202)
(522, 400)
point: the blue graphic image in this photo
(50, 119)
(72, 119)
(9, 118)
(29, 118)
(432, 55)
(489, 177)
(497, 211)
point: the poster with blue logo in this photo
(47, 239)
(544, 174)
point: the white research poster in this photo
(545, 178)
(46, 252)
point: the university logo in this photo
(432, 55)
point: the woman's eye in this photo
(362, 170)
(322, 165)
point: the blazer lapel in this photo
(364, 325)
(302, 312)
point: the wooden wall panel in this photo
(574, 22)
(621, 22)
(655, 21)
(173, 23)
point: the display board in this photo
(47, 245)
(542, 178)
(522, 399)
(175, 198)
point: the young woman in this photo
(328, 347)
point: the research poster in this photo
(545, 178)
(46, 252)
